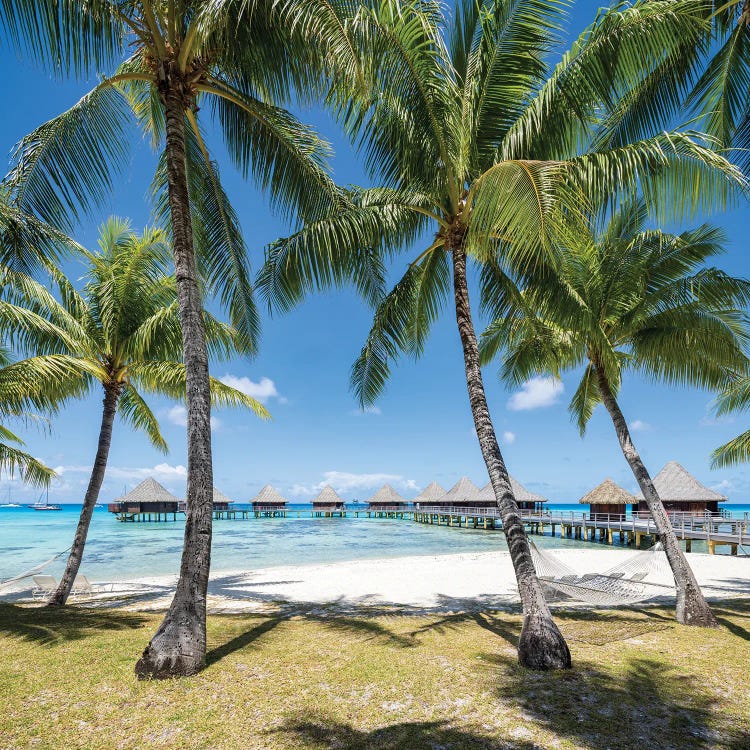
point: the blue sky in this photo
(420, 430)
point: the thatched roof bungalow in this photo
(463, 494)
(679, 490)
(386, 498)
(269, 498)
(148, 497)
(525, 499)
(608, 498)
(328, 501)
(220, 502)
(430, 495)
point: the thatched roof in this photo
(220, 497)
(386, 494)
(521, 494)
(269, 495)
(462, 491)
(148, 491)
(432, 492)
(676, 484)
(328, 496)
(607, 493)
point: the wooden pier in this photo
(713, 529)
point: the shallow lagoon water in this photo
(117, 550)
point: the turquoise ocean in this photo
(117, 550)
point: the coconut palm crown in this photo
(485, 148)
(120, 333)
(625, 298)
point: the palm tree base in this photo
(692, 609)
(176, 650)
(542, 645)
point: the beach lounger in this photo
(44, 586)
(83, 587)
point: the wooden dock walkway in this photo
(715, 530)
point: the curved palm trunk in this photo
(541, 645)
(60, 597)
(692, 607)
(179, 646)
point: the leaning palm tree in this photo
(168, 61)
(120, 333)
(624, 298)
(486, 149)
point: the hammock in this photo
(623, 584)
(31, 571)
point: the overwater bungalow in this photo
(525, 500)
(221, 503)
(463, 494)
(328, 503)
(269, 502)
(681, 492)
(387, 502)
(430, 495)
(146, 502)
(608, 499)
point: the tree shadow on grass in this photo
(429, 735)
(643, 703)
(48, 626)
(263, 624)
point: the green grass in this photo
(389, 682)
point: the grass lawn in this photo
(391, 682)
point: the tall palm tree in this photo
(122, 332)
(486, 149)
(625, 298)
(168, 60)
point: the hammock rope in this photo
(32, 571)
(625, 583)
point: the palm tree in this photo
(169, 60)
(626, 298)
(17, 397)
(122, 332)
(734, 397)
(486, 149)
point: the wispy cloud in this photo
(347, 482)
(373, 410)
(264, 390)
(638, 425)
(178, 415)
(509, 437)
(536, 394)
(162, 471)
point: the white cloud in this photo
(724, 486)
(264, 390)
(178, 415)
(375, 410)
(509, 438)
(161, 472)
(346, 483)
(536, 393)
(638, 425)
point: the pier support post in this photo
(711, 547)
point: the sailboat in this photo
(44, 504)
(9, 504)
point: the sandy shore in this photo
(419, 584)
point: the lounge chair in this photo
(83, 587)
(44, 586)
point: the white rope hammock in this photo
(623, 584)
(31, 571)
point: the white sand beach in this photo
(419, 584)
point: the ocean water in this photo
(116, 550)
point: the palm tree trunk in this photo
(692, 607)
(60, 597)
(541, 645)
(179, 646)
